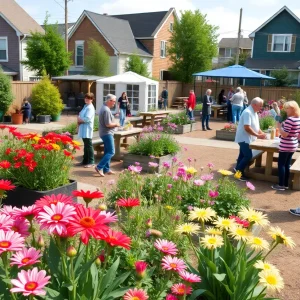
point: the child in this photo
(26, 109)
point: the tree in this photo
(282, 77)
(6, 95)
(135, 64)
(97, 61)
(242, 59)
(47, 52)
(192, 46)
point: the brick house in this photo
(15, 29)
(145, 34)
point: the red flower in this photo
(5, 185)
(11, 128)
(67, 153)
(30, 165)
(8, 151)
(115, 239)
(17, 134)
(129, 202)
(140, 268)
(4, 164)
(29, 156)
(88, 196)
(18, 165)
(3, 127)
(89, 223)
(37, 147)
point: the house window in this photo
(133, 92)
(3, 49)
(161, 75)
(79, 53)
(163, 48)
(171, 27)
(109, 89)
(228, 52)
(151, 97)
(281, 42)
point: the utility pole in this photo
(237, 56)
(66, 27)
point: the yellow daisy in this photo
(191, 170)
(258, 243)
(211, 241)
(188, 228)
(169, 207)
(202, 214)
(278, 235)
(225, 172)
(271, 280)
(265, 266)
(224, 223)
(76, 143)
(254, 216)
(238, 174)
(213, 231)
(239, 233)
(55, 147)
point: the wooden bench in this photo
(256, 158)
(295, 170)
(294, 158)
(98, 146)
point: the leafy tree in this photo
(6, 95)
(97, 60)
(47, 52)
(242, 59)
(192, 46)
(135, 64)
(282, 77)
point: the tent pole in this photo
(201, 87)
(260, 90)
(216, 91)
(195, 84)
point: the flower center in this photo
(87, 222)
(135, 298)
(57, 217)
(25, 260)
(257, 241)
(173, 265)
(212, 241)
(241, 232)
(5, 244)
(226, 222)
(31, 286)
(271, 280)
(180, 291)
(165, 248)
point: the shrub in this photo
(198, 106)
(266, 120)
(6, 95)
(177, 119)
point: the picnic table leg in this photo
(138, 137)
(144, 121)
(258, 161)
(269, 163)
(296, 182)
(117, 155)
(152, 120)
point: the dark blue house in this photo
(276, 44)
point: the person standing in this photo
(106, 132)
(191, 103)
(237, 102)
(229, 106)
(164, 97)
(221, 98)
(85, 123)
(26, 110)
(206, 110)
(248, 131)
(288, 145)
(122, 107)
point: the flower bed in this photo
(227, 133)
(178, 123)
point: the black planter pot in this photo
(44, 119)
(21, 196)
(7, 119)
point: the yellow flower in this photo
(271, 280)
(239, 233)
(258, 243)
(76, 143)
(254, 216)
(188, 228)
(211, 241)
(36, 138)
(265, 266)
(202, 214)
(191, 170)
(213, 231)
(225, 172)
(55, 147)
(238, 174)
(279, 237)
(224, 223)
(169, 207)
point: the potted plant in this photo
(45, 100)
(17, 116)
(178, 123)
(6, 95)
(227, 133)
(7, 116)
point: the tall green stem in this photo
(276, 243)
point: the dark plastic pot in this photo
(55, 118)
(44, 119)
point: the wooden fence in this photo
(21, 90)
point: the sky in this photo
(221, 13)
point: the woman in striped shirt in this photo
(289, 131)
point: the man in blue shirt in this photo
(164, 97)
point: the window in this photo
(79, 53)
(109, 89)
(161, 75)
(171, 27)
(293, 76)
(3, 49)
(163, 48)
(151, 97)
(281, 42)
(133, 92)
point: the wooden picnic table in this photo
(216, 108)
(153, 115)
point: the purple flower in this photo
(250, 186)
(207, 177)
(152, 156)
(179, 197)
(135, 169)
(211, 202)
(181, 165)
(176, 218)
(213, 194)
(175, 178)
(210, 165)
(174, 159)
(152, 164)
(169, 173)
(199, 182)
(148, 233)
(189, 159)
(190, 207)
(166, 165)
(169, 186)
(137, 163)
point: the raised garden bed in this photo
(225, 135)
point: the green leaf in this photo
(116, 294)
(52, 294)
(196, 293)
(116, 283)
(110, 275)
(220, 277)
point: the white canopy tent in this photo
(142, 92)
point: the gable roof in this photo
(117, 33)
(252, 35)
(18, 18)
(245, 43)
(127, 77)
(61, 27)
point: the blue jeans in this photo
(244, 157)
(236, 113)
(109, 152)
(205, 119)
(284, 164)
(122, 116)
(191, 114)
(165, 104)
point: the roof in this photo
(127, 77)
(252, 35)
(116, 31)
(245, 43)
(77, 78)
(235, 71)
(144, 24)
(8, 71)
(271, 64)
(18, 18)
(61, 27)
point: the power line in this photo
(59, 4)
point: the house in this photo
(15, 29)
(61, 28)
(144, 34)
(276, 44)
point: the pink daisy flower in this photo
(199, 182)
(210, 165)
(135, 169)
(26, 257)
(110, 216)
(135, 294)
(5, 222)
(213, 194)
(207, 177)
(56, 217)
(189, 277)
(53, 199)
(171, 297)
(21, 226)
(8, 210)
(166, 247)
(181, 289)
(140, 268)
(173, 264)
(27, 212)
(30, 282)
(10, 241)
(250, 186)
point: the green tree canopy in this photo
(282, 77)
(135, 64)
(47, 52)
(192, 46)
(6, 95)
(242, 59)
(97, 61)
